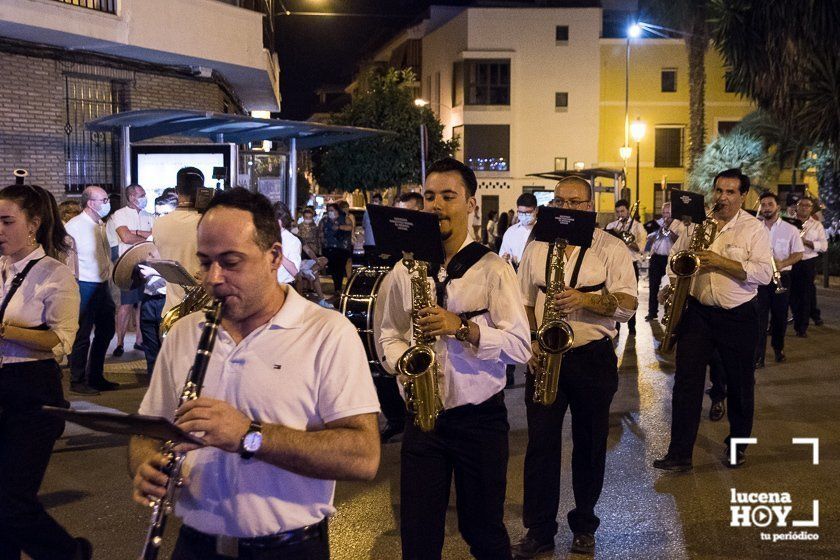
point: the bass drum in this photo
(359, 304)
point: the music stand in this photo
(154, 427)
(575, 226)
(399, 230)
(688, 204)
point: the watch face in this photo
(252, 442)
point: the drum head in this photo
(123, 274)
(359, 304)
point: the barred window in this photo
(669, 146)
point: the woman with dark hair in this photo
(39, 316)
(336, 230)
(501, 227)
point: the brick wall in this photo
(33, 114)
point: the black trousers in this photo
(189, 548)
(802, 293)
(96, 314)
(27, 436)
(471, 442)
(631, 324)
(588, 381)
(150, 311)
(656, 271)
(775, 305)
(704, 329)
(393, 406)
(336, 263)
(717, 375)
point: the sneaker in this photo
(529, 547)
(82, 389)
(118, 351)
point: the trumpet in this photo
(777, 277)
(623, 229)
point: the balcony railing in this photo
(106, 6)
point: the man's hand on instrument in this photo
(222, 425)
(149, 481)
(710, 260)
(437, 321)
(569, 301)
(536, 354)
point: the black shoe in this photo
(651, 317)
(583, 543)
(717, 410)
(139, 347)
(801, 334)
(818, 322)
(389, 432)
(118, 351)
(528, 547)
(105, 385)
(84, 550)
(82, 389)
(759, 363)
(780, 356)
(668, 463)
(740, 459)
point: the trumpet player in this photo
(287, 405)
(720, 315)
(773, 298)
(600, 289)
(626, 223)
(480, 325)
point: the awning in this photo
(588, 174)
(222, 127)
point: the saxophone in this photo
(555, 335)
(685, 264)
(174, 460)
(195, 299)
(419, 363)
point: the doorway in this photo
(489, 203)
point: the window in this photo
(561, 101)
(669, 146)
(487, 82)
(561, 34)
(487, 147)
(457, 84)
(725, 127)
(669, 80)
(560, 164)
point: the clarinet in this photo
(174, 460)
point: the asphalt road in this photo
(645, 513)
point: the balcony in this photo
(107, 6)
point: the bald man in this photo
(96, 313)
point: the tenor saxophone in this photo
(419, 363)
(174, 460)
(555, 335)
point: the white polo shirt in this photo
(815, 233)
(133, 220)
(291, 250)
(607, 260)
(514, 241)
(176, 237)
(784, 239)
(92, 250)
(305, 368)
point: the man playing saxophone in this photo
(287, 407)
(600, 289)
(479, 325)
(720, 315)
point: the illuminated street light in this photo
(420, 102)
(625, 152)
(634, 30)
(579, 165)
(637, 130)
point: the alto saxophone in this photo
(555, 335)
(419, 363)
(174, 460)
(685, 264)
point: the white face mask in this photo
(104, 210)
(333, 215)
(141, 203)
(526, 218)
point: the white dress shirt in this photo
(133, 220)
(815, 233)
(514, 241)
(743, 239)
(784, 240)
(48, 296)
(291, 250)
(92, 249)
(303, 369)
(468, 374)
(606, 260)
(662, 243)
(176, 237)
(638, 230)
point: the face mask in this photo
(526, 218)
(141, 203)
(104, 210)
(307, 220)
(333, 215)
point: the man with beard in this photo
(287, 406)
(773, 298)
(480, 325)
(720, 315)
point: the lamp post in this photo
(637, 131)
(633, 31)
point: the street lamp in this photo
(625, 152)
(420, 102)
(637, 131)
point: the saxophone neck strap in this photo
(16, 282)
(575, 271)
(458, 265)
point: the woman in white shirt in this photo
(39, 316)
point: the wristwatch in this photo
(251, 441)
(463, 332)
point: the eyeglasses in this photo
(562, 203)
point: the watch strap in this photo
(254, 427)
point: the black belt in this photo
(589, 346)
(231, 546)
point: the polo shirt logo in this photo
(278, 366)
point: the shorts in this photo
(130, 297)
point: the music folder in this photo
(154, 427)
(575, 226)
(651, 226)
(690, 204)
(399, 230)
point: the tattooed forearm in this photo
(602, 304)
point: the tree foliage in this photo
(383, 101)
(734, 150)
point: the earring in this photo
(32, 239)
